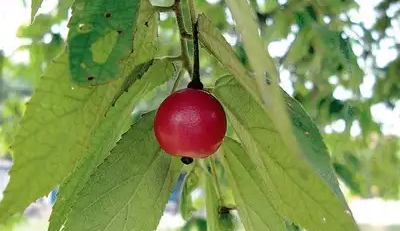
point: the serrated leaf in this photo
(131, 188)
(216, 220)
(213, 41)
(263, 66)
(145, 34)
(106, 135)
(100, 37)
(190, 183)
(253, 202)
(35, 5)
(293, 185)
(54, 134)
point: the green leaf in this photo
(54, 134)
(352, 161)
(292, 183)
(299, 49)
(312, 145)
(292, 227)
(191, 182)
(145, 44)
(252, 198)
(100, 36)
(35, 5)
(107, 134)
(213, 41)
(348, 177)
(217, 220)
(131, 188)
(263, 65)
(198, 224)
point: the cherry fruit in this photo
(190, 123)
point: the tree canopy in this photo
(66, 114)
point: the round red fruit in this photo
(190, 123)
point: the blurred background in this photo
(339, 58)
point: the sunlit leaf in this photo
(131, 188)
(292, 183)
(253, 202)
(35, 5)
(150, 75)
(54, 134)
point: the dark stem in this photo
(196, 82)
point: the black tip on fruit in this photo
(187, 160)
(195, 84)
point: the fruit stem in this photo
(196, 82)
(215, 181)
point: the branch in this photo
(183, 34)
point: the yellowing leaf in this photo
(102, 48)
(131, 188)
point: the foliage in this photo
(77, 130)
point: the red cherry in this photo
(190, 123)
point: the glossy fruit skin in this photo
(190, 123)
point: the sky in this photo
(13, 13)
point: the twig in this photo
(183, 34)
(215, 181)
(177, 8)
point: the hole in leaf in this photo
(90, 78)
(107, 15)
